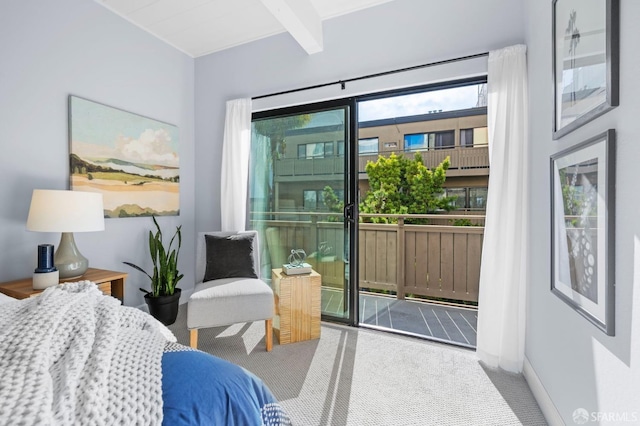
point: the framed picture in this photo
(130, 159)
(583, 228)
(585, 61)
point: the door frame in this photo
(351, 195)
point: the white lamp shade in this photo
(65, 211)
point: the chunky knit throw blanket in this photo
(75, 356)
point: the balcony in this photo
(471, 161)
(291, 169)
(415, 279)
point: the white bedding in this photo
(5, 299)
(73, 355)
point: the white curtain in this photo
(503, 273)
(235, 165)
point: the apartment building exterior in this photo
(313, 156)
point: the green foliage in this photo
(276, 128)
(399, 185)
(165, 263)
(333, 204)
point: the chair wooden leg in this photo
(193, 338)
(268, 334)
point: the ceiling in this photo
(200, 27)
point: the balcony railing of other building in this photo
(437, 260)
(461, 158)
(463, 161)
(308, 166)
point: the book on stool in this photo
(303, 268)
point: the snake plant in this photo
(165, 275)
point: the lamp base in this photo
(42, 280)
(68, 259)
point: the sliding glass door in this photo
(301, 195)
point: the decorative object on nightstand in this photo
(46, 274)
(66, 212)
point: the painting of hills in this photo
(130, 159)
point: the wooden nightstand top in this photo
(23, 288)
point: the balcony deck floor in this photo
(439, 322)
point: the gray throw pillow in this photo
(229, 257)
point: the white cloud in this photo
(419, 103)
(151, 147)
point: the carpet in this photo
(355, 376)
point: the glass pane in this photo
(310, 200)
(429, 102)
(328, 149)
(445, 140)
(478, 198)
(297, 197)
(368, 146)
(461, 194)
(466, 137)
(416, 142)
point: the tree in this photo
(333, 203)
(399, 185)
(276, 128)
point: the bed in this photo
(75, 356)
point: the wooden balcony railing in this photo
(285, 167)
(435, 260)
(460, 158)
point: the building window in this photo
(310, 199)
(426, 141)
(478, 198)
(468, 198)
(474, 137)
(461, 197)
(340, 149)
(313, 199)
(315, 150)
(368, 146)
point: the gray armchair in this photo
(227, 301)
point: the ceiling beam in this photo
(301, 20)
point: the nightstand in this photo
(109, 282)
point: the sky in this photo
(100, 131)
(419, 103)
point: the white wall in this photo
(49, 50)
(393, 35)
(578, 365)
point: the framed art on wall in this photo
(583, 228)
(130, 159)
(585, 61)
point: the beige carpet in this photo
(353, 376)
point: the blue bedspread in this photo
(200, 389)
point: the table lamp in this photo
(66, 212)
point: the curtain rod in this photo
(342, 83)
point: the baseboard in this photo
(543, 399)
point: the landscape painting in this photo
(132, 160)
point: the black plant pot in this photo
(164, 308)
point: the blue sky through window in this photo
(452, 99)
